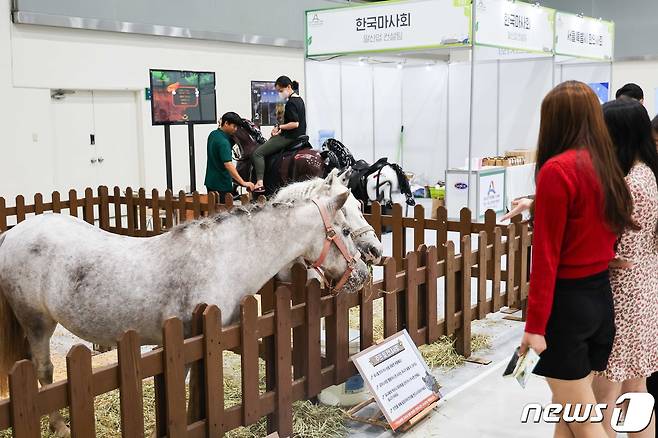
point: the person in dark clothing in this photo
(294, 126)
(654, 129)
(632, 91)
(220, 170)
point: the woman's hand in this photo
(518, 206)
(276, 131)
(530, 340)
(620, 264)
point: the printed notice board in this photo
(398, 377)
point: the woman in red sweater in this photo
(581, 206)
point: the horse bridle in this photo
(331, 237)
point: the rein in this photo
(331, 237)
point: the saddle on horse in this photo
(297, 162)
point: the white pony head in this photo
(334, 184)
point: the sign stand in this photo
(190, 138)
(379, 420)
(167, 142)
(167, 136)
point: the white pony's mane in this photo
(303, 190)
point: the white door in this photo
(75, 156)
(115, 120)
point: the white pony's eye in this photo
(346, 232)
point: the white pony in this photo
(59, 269)
(362, 234)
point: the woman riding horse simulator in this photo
(294, 126)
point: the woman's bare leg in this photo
(577, 391)
(607, 392)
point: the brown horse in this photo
(298, 162)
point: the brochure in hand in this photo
(520, 367)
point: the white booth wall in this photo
(367, 105)
(506, 106)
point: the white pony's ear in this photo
(344, 177)
(331, 177)
(337, 202)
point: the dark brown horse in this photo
(298, 162)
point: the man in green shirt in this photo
(220, 170)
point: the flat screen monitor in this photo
(182, 97)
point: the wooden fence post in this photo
(283, 412)
(449, 291)
(104, 208)
(174, 371)
(419, 226)
(483, 268)
(341, 335)
(57, 206)
(511, 264)
(169, 209)
(496, 275)
(23, 392)
(524, 267)
(390, 297)
(80, 392)
(313, 358)
(117, 211)
(20, 208)
(463, 338)
(155, 211)
(298, 333)
(442, 232)
(130, 385)
(214, 371)
(88, 211)
(411, 294)
(196, 205)
(365, 316)
(38, 204)
(398, 233)
(196, 406)
(73, 203)
(130, 211)
(3, 215)
(182, 206)
(142, 212)
(249, 357)
(431, 276)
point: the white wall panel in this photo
(523, 85)
(322, 99)
(425, 121)
(357, 110)
(388, 111)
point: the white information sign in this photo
(398, 377)
(491, 194)
(392, 26)
(584, 37)
(514, 25)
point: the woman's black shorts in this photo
(580, 330)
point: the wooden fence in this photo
(409, 290)
(126, 212)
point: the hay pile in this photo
(442, 353)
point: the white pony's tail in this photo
(14, 345)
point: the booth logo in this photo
(461, 186)
(492, 189)
(315, 21)
(637, 417)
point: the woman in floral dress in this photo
(634, 355)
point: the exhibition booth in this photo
(450, 91)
